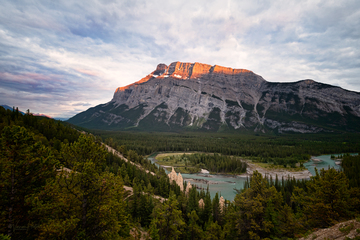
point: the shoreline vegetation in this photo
(180, 162)
(199, 162)
(279, 172)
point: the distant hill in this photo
(41, 115)
(10, 108)
(195, 96)
(35, 114)
(61, 119)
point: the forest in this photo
(215, 163)
(285, 150)
(58, 183)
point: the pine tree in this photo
(153, 231)
(84, 202)
(168, 220)
(216, 208)
(25, 165)
(327, 199)
(192, 201)
(206, 213)
(146, 207)
(213, 231)
(194, 231)
(255, 211)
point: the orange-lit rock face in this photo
(160, 69)
(196, 70)
(145, 79)
(200, 69)
(180, 70)
(229, 71)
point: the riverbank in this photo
(251, 168)
(179, 166)
(174, 160)
(200, 163)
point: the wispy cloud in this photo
(74, 54)
(81, 104)
(87, 72)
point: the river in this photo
(225, 184)
(324, 163)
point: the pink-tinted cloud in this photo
(87, 72)
(41, 115)
(27, 77)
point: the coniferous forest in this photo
(59, 183)
(276, 149)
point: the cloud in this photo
(87, 72)
(63, 53)
(81, 104)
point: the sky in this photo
(61, 57)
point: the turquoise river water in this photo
(225, 184)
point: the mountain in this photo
(204, 97)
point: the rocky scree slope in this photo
(200, 96)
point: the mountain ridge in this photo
(204, 97)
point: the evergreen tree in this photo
(192, 203)
(153, 231)
(351, 167)
(213, 231)
(194, 231)
(255, 214)
(206, 213)
(216, 208)
(326, 200)
(83, 202)
(168, 220)
(25, 165)
(146, 207)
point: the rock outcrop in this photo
(201, 204)
(222, 204)
(188, 187)
(201, 96)
(173, 176)
(340, 231)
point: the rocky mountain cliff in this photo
(205, 97)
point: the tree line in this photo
(215, 163)
(279, 150)
(48, 131)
